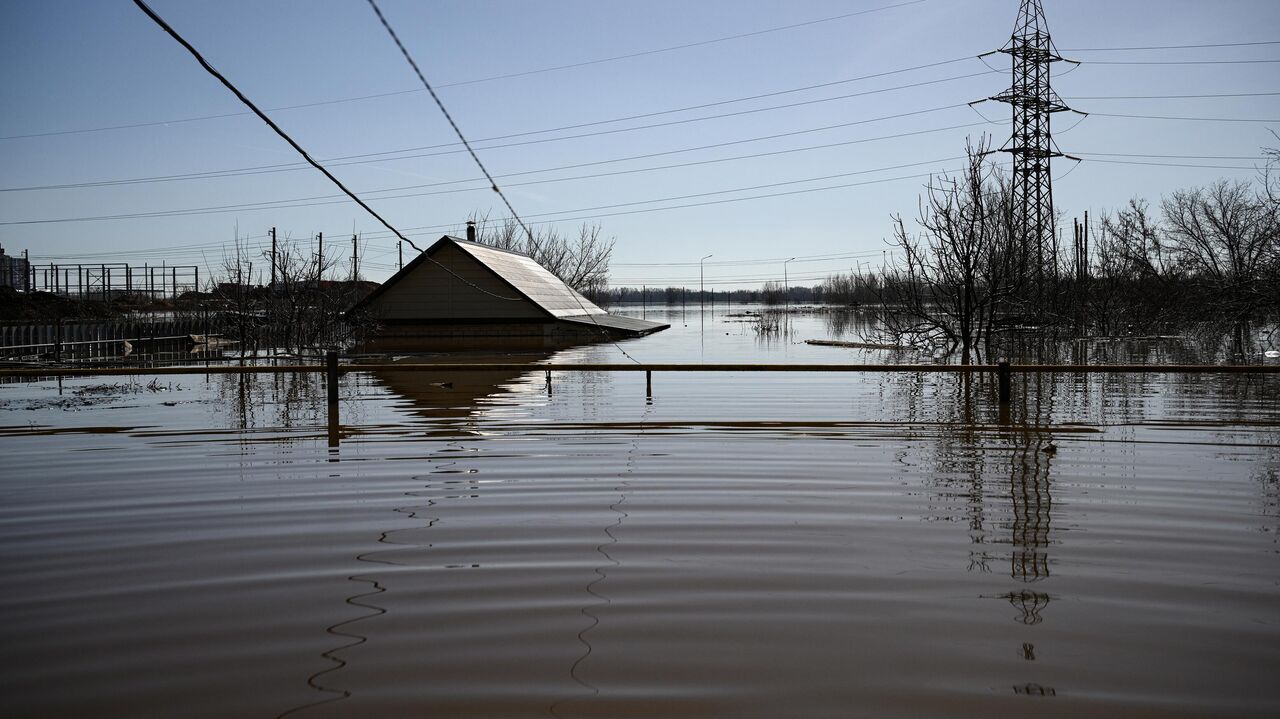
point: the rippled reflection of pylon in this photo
(1033, 101)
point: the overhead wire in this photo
(493, 184)
(684, 46)
(248, 103)
(341, 160)
(427, 229)
(241, 208)
(1180, 62)
(466, 82)
(1194, 119)
(1171, 97)
(1171, 47)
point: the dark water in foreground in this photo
(735, 546)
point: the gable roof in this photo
(517, 270)
(530, 279)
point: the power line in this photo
(227, 83)
(460, 82)
(1170, 47)
(217, 210)
(656, 154)
(423, 230)
(239, 95)
(493, 184)
(1176, 164)
(393, 93)
(1177, 157)
(429, 229)
(1177, 62)
(320, 200)
(1171, 97)
(344, 160)
(339, 160)
(201, 118)
(1170, 117)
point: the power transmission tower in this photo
(1033, 101)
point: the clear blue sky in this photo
(76, 65)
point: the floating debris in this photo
(855, 345)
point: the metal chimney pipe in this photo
(471, 231)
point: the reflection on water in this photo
(733, 545)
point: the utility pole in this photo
(400, 252)
(355, 260)
(1033, 102)
(701, 285)
(786, 285)
(320, 257)
(273, 259)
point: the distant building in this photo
(15, 272)
(460, 294)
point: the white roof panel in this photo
(532, 279)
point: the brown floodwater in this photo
(735, 545)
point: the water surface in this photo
(738, 545)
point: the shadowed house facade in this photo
(464, 295)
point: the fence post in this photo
(331, 375)
(1002, 373)
(57, 342)
(648, 383)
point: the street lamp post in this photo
(701, 285)
(786, 285)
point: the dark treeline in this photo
(838, 289)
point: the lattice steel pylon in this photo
(1033, 100)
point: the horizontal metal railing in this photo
(54, 371)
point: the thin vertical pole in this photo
(331, 380)
(1002, 374)
(648, 383)
(331, 375)
(400, 253)
(273, 259)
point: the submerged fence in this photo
(332, 370)
(98, 336)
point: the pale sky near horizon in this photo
(69, 68)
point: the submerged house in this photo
(459, 294)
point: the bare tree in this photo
(1224, 237)
(581, 262)
(304, 308)
(944, 289)
(1136, 279)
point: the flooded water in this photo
(735, 545)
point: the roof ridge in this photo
(495, 248)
